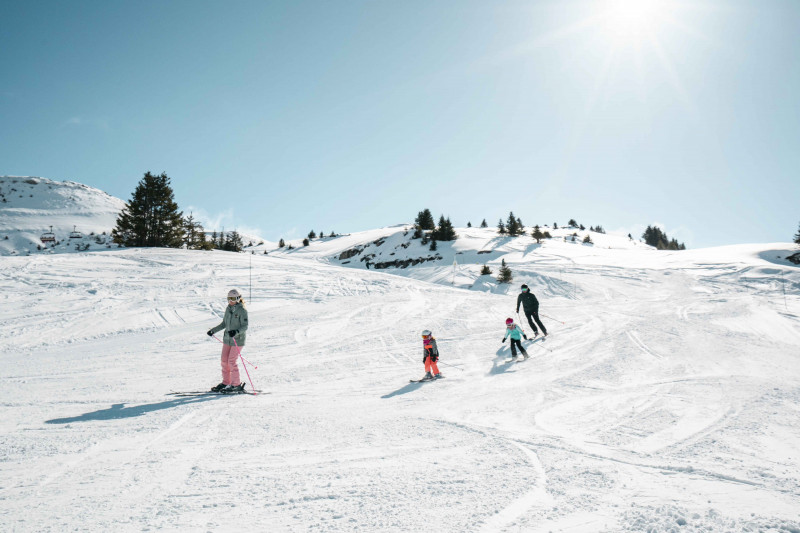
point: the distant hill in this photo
(29, 206)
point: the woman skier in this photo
(235, 325)
(430, 356)
(513, 331)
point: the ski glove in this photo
(504, 339)
(232, 332)
(526, 337)
(209, 333)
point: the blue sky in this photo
(343, 116)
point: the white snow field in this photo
(666, 398)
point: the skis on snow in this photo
(425, 378)
(213, 393)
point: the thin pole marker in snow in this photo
(784, 292)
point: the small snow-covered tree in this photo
(587, 239)
(537, 234)
(797, 235)
(501, 228)
(433, 245)
(484, 224)
(486, 271)
(572, 223)
(281, 243)
(305, 241)
(469, 224)
(505, 275)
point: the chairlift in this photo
(48, 236)
(75, 234)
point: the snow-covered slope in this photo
(29, 206)
(664, 399)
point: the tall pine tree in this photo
(151, 218)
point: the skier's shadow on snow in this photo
(118, 410)
(499, 366)
(411, 387)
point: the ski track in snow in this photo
(667, 401)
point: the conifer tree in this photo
(234, 242)
(486, 271)
(484, 224)
(537, 234)
(281, 243)
(469, 224)
(445, 230)
(501, 228)
(505, 275)
(305, 242)
(312, 235)
(151, 217)
(572, 223)
(587, 239)
(555, 225)
(424, 220)
(512, 226)
(433, 245)
(797, 235)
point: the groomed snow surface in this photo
(665, 398)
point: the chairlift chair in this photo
(75, 234)
(48, 236)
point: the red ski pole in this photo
(240, 354)
(245, 366)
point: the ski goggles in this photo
(233, 298)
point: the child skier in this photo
(513, 331)
(430, 356)
(235, 325)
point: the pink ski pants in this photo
(230, 369)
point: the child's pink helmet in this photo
(509, 321)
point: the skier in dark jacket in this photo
(531, 306)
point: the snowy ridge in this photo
(29, 206)
(665, 397)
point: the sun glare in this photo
(631, 19)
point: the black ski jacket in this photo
(528, 301)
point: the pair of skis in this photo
(424, 379)
(213, 393)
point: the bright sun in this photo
(631, 19)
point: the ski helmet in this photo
(233, 294)
(509, 321)
(426, 333)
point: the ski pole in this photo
(451, 366)
(551, 318)
(520, 325)
(245, 366)
(240, 354)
